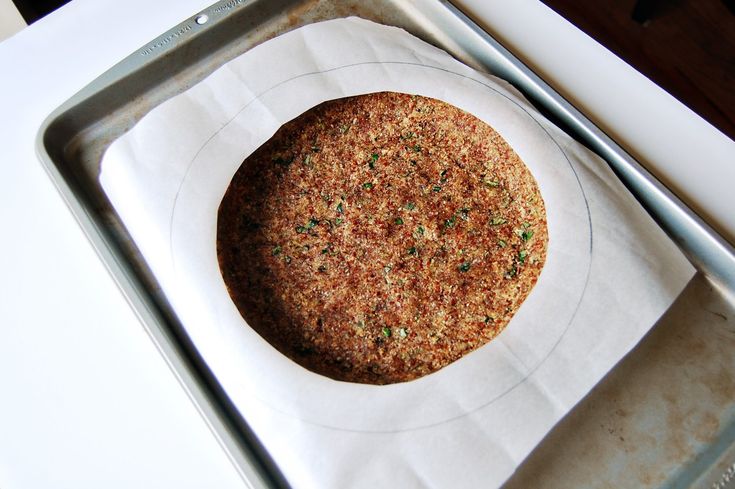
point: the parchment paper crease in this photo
(609, 275)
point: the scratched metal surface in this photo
(664, 417)
(660, 417)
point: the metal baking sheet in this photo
(664, 417)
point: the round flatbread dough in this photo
(379, 238)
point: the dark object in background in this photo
(643, 10)
(32, 10)
(687, 47)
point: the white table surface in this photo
(86, 401)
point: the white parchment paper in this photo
(610, 272)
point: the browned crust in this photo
(381, 269)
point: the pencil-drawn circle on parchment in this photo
(249, 368)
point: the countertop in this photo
(87, 401)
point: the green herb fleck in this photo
(304, 350)
(526, 234)
(398, 221)
(522, 256)
(464, 214)
(339, 208)
(367, 186)
(412, 250)
(403, 332)
(276, 250)
(492, 183)
(488, 319)
(386, 331)
(249, 225)
(496, 221)
(373, 158)
(443, 176)
(325, 250)
(465, 266)
(301, 229)
(449, 223)
(502, 243)
(307, 160)
(436, 188)
(338, 221)
(312, 222)
(279, 160)
(417, 148)
(512, 272)
(322, 268)
(410, 206)
(287, 259)
(420, 230)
